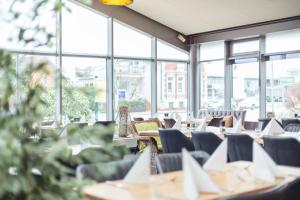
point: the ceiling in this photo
(196, 16)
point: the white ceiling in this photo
(196, 16)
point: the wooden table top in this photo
(237, 179)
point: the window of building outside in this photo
(283, 87)
(45, 79)
(176, 101)
(9, 30)
(132, 86)
(130, 43)
(246, 89)
(83, 31)
(84, 89)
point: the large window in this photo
(212, 85)
(83, 31)
(172, 88)
(84, 88)
(283, 87)
(132, 86)
(246, 89)
(283, 41)
(130, 43)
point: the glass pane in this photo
(242, 47)
(165, 51)
(128, 42)
(283, 41)
(132, 82)
(84, 88)
(212, 50)
(45, 79)
(83, 31)
(246, 89)
(8, 29)
(283, 87)
(212, 85)
(172, 88)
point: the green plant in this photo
(33, 164)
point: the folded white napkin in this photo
(264, 168)
(195, 178)
(140, 171)
(202, 126)
(177, 125)
(234, 120)
(273, 128)
(238, 127)
(218, 159)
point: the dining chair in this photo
(169, 122)
(283, 150)
(274, 193)
(239, 147)
(205, 141)
(173, 141)
(169, 162)
(216, 122)
(292, 190)
(292, 128)
(250, 125)
(287, 121)
(100, 172)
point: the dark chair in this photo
(239, 147)
(250, 125)
(169, 122)
(216, 121)
(287, 121)
(105, 123)
(173, 141)
(275, 193)
(169, 162)
(292, 190)
(101, 172)
(138, 119)
(292, 128)
(205, 141)
(284, 151)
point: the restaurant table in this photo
(237, 179)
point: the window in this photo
(212, 85)
(246, 89)
(283, 41)
(165, 51)
(129, 42)
(283, 87)
(172, 87)
(248, 46)
(212, 50)
(84, 88)
(46, 79)
(132, 82)
(83, 31)
(46, 19)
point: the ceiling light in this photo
(117, 2)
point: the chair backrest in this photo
(292, 190)
(173, 141)
(169, 162)
(169, 122)
(104, 123)
(238, 114)
(292, 128)
(250, 125)
(239, 147)
(287, 121)
(138, 119)
(283, 150)
(205, 141)
(216, 121)
(101, 172)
